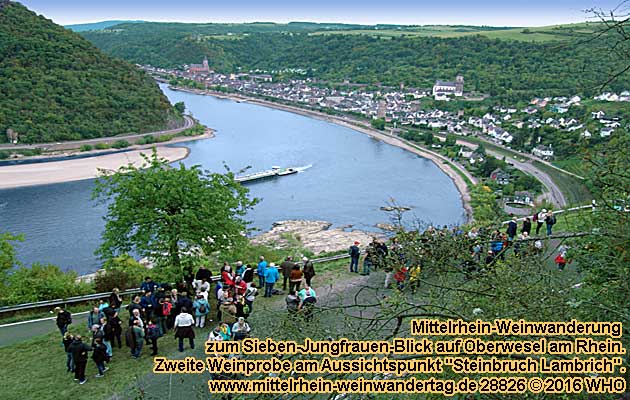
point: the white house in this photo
(586, 134)
(606, 132)
(598, 114)
(456, 88)
(543, 152)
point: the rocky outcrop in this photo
(315, 236)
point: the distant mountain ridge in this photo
(95, 26)
(55, 85)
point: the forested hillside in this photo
(495, 66)
(55, 85)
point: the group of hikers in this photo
(162, 309)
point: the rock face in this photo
(315, 236)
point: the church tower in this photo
(459, 85)
(205, 63)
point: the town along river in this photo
(350, 178)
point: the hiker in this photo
(148, 286)
(550, 221)
(250, 296)
(295, 278)
(308, 269)
(63, 320)
(286, 267)
(227, 277)
(241, 329)
(153, 334)
(261, 270)
(67, 341)
(203, 274)
(108, 335)
(527, 226)
(511, 229)
(94, 318)
(168, 314)
(79, 352)
(115, 301)
(146, 301)
(368, 261)
(137, 333)
(540, 219)
(116, 326)
(271, 277)
(354, 252)
(134, 305)
(240, 268)
(248, 274)
(293, 302)
(561, 260)
(308, 298)
(184, 329)
(227, 309)
(202, 309)
(400, 277)
(99, 355)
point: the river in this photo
(350, 176)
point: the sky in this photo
(408, 12)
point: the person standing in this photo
(250, 296)
(80, 357)
(184, 329)
(286, 267)
(116, 325)
(138, 339)
(64, 319)
(550, 221)
(354, 252)
(67, 341)
(261, 270)
(99, 355)
(309, 270)
(115, 301)
(271, 277)
(295, 279)
(248, 274)
(527, 226)
(368, 261)
(94, 318)
(202, 308)
(540, 219)
(153, 334)
(511, 229)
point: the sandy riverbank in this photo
(13, 176)
(42, 173)
(439, 160)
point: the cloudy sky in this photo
(417, 12)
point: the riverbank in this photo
(440, 161)
(48, 172)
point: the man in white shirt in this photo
(184, 328)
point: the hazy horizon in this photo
(366, 12)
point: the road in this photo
(188, 123)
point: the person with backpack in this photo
(63, 320)
(153, 334)
(550, 221)
(354, 252)
(79, 352)
(99, 355)
(202, 309)
(308, 269)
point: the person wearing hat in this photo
(308, 269)
(354, 252)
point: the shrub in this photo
(101, 146)
(121, 144)
(122, 272)
(86, 147)
(164, 138)
(4, 155)
(42, 282)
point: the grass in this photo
(575, 192)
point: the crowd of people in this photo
(162, 309)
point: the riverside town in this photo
(314, 200)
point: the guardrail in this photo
(555, 212)
(97, 296)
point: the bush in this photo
(4, 155)
(101, 146)
(122, 272)
(42, 282)
(147, 139)
(121, 144)
(86, 147)
(164, 138)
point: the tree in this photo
(378, 123)
(180, 107)
(171, 214)
(8, 258)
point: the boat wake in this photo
(300, 169)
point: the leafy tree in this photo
(378, 123)
(8, 258)
(428, 138)
(171, 214)
(180, 107)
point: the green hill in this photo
(94, 26)
(55, 85)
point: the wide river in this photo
(350, 177)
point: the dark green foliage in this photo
(86, 147)
(55, 85)
(511, 69)
(121, 144)
(101, 146)
(378, 124)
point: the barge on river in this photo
(270, 173)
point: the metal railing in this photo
(97, 296)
